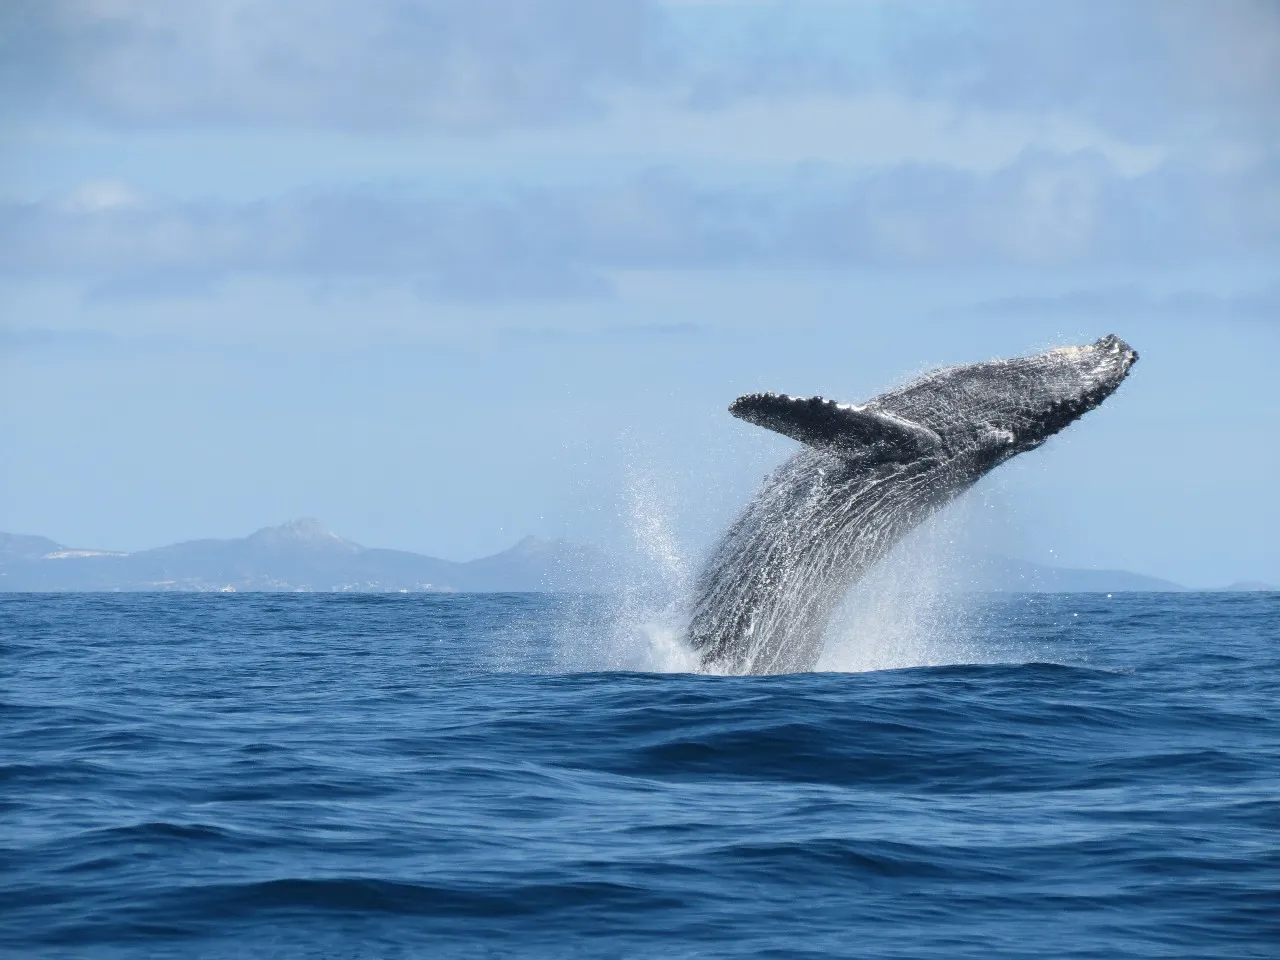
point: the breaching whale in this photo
(869, 473)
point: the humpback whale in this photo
(867, 474)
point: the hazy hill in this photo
(299, 555)
(305, 555)
(1018, 576)
(14, 546)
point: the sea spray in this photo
(647, 632)
(911, 609)
(903, 612)
(637, 625)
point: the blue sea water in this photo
(386, 776)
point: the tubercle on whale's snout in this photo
(1113, 344)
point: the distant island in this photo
(298, 556)
(305, 556)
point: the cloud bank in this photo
(1153, 69)
(1133, 301)
(1043, 210)
(378, 64)
(1202, 80)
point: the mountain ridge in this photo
(297, 556)
(303, 555)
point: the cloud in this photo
(628, 331)
(377, 64)
(14, 339)
(1134, 301)
(154, 284)
(1044, 210)
(1154, 70)
(1146, 69)
(98, 195)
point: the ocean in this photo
(333, 776)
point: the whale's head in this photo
(989, 412)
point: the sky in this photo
(445, 274)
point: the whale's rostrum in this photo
(867, 474)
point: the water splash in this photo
(910, 609)
(648, 622)
(906, 612)
(652, 525)
(914, 608)
(641, 625)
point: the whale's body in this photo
(866, 476)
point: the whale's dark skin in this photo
(866, 476)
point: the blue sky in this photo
(445, 274)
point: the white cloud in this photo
(1132, 301)
(1148, 71)
(875, 129)
(1043, 210)
(379, 64)
(1154, 68)
(94, 196)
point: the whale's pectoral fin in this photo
(865, 433)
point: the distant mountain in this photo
(302, 555)
(14, 546)
(1249, 586)
(1003, 575)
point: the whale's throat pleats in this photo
(867, 434)
(768, 590)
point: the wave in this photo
(377, 787)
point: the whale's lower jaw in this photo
(767, 595)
